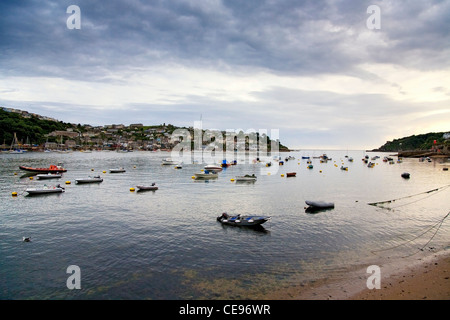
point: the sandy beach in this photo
(429, 280)
(421, 278)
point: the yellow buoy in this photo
(31, 178)
(320, 171)
(193, 177)
(268, 174)
(15, 173)
(132, 189)
(231, 179)
(104, 171)
(282, 175)
(68, 182)
(14, 194)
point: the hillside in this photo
(423, 142)
(30, 128)
(36, 130)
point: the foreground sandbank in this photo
(419, 278)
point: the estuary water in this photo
(168, 244)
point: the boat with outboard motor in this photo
(153, 187)
(244, 221)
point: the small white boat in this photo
(96, 179)
(213, 168)
(168, 161)
(247, 177)
(206, 175)
(119, 170)
(45, 190)
(48, 176)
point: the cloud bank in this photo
(311, 69)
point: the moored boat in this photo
(152, 187)
(96, 179)
(168, 161)
(291, 174)
(247, 177)
(206, 175)
(320, 204)
(118, 170)
(45, 190)
(213, 168)
(51, 169)
(48, 176)
(245, 221)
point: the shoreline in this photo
(428, 279)
(420, 278)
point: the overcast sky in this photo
(314, 70)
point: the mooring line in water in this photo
(438, 224)
(410, 196)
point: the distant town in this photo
(70, 136)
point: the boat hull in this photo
(147, 188)
(246, 179)
(206, 176)
(43, 170)
(291, 174)
(44, 191)
(81, 181)
(213, 168)
(117, 170)
(48, 176)
(243, 221)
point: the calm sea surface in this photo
(168, 245)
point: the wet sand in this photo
(429, 280)
(420, 278)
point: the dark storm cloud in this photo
(299, 37)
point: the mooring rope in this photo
(438, 224)
(410, 196)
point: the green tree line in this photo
(415, 142)
(31, 129)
